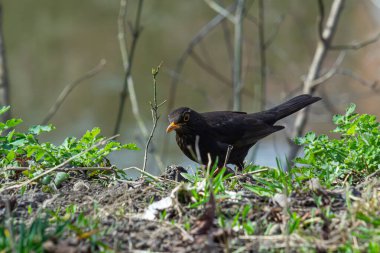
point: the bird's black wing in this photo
(238, 128)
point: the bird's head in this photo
(183, 119)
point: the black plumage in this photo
(200, 134)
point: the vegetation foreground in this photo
(68, 198)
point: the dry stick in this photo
(320, 54)
(128, 87)
(70, 87)
(63, 169)
(154, 108)
(144, 173)
(229, 149)
(4, 80)
(102, 142)
(250, 173)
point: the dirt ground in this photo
(120, 208)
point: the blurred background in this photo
(50, 44)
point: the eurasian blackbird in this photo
(213, 133)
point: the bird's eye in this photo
(186, 117)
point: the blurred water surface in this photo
(51, 43)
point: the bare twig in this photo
(259, 88)
(63, 169)
(195, 41)
(315, 68)
(143, 172)
(370, 84)
(333, 70)
(202, 33)
(99, 143)
(4, 80)
(209, 69)
(229, 149)
(70, 87)
(238, 45)
(250, 173)
(127, 57)
(219, 9)
(357, 45)
(154, 108)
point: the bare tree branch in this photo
(274, 34)
(181, 62)
(238, 46)
(370, 84)
(4, 79)
(219, 9)
(259, 88)
(69, 88)
(128, 87)
(323, 45)
(332, 71)
(356, 45)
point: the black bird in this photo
(213, 133)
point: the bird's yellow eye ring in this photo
(186, 117)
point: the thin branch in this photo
(321, 19)
(70, 87)
(323, 45)
(219, 9)
(250, 173)
(259, 88)
(227, 41)
(63, 169)
(154, 108)
(333, 70)
(210, 70)
(356, 45)
(157, 179)
(370, 84)
(274, 34)
(202, 33)
(128, 87)
(238, 46)
(99, 143)
(4, 79)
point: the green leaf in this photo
(12, 122)
(11, 155)
(60, 178)
(131, 146)
(4, 109)
(351, 108)
(36, 130)
(46, 180)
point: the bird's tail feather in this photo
(291, 106)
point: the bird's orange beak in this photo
(172, 127)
